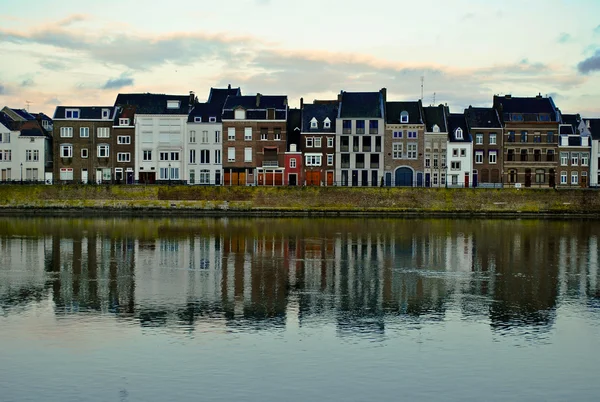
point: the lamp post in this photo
(21, 172)
(169, 174)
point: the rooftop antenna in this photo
(433, 104)
(28, 103)
(422, 84)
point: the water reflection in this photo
(264, 274)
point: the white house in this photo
(459, 153)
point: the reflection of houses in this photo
(318, 142)
(459, 153)
(436, 139)
(574, 151)
(405, 144)
(486, 133)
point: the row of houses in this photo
(358, 139)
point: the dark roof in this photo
(42, 116)
(125, 112)
(572, 119)
(155, 103)
(6, 120)
(24, 114)
(482, 117)
(537, 108)
(566, 129)
(85, 112)
(394, 109)
(456, 121)
(219, 95)
(205, 111)
(319, 111)
(594, 125)
(435, 115)
(256, 106)
(361, 104)
(294, 120)
(32, 128)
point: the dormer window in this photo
(173, 104)
(212, 119)
(240, 114)
(72, 114)
(198, 119)
(459, 134)
(327, 123)
(436, 128)
(105, 114)
(123, 122)
(404, 117)
(313, 123)
(516, 117)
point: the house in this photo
(7, 166)
(317, 141)
(486, 131)
(459, 153)
(436, 140)
(405, 144)
(256, 129)
(47, 123)
(593, 125)
(17, 114)
(360, 128)
(294, 166)
(160, 131)
(530, 139)
(82, 146)
(574, 152)
(123, 149)
(204, 164)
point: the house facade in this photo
(404, 145)
(436, 142)
(530, 143)
(360, 128)
(83, 141)
(459, 171)
(593, 125)
(574, 149)
(123, 145)
(318, 135)
(486, 132)
(160, 135)
(255, 140)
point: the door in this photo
(355, 178)
(374, 179)
(241, 179)
(292, 179)
(427, 179)
(99, 176)
(419, 179)
(404, 177)
(84, 176)
(313, 178)
(552, 178)
(279, 178)
(3, 174)
(365, 177)
(330, 178)
(475, 178)
(466, 180)
(527, 177)
(388, 179)
(129, 177)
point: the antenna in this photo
(28, 103)
(433, 99)
(422, 84)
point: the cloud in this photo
(53, 101)
(27, 83)
(2, 89)
(118, 83)
(564, 37)
(590, 64)
(597, 30)
(53, 64)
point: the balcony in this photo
(270, 164)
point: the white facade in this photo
(460, 163)
(160, 147)
(204, 160)
(22, 158)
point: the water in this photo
(298, 310)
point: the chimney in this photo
(258, 100)
(539, 95)
(229, 86)
(384, 94)
(340, 96)
(587, 124)
(192, 98)
(508, 96)
(301, 103)
(292, 147)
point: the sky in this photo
(83, 53)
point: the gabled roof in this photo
(527, 109)
(294, 121)
(23, 114)
(205, 111)
(155, 103)
(219, 95)
(566, 129)
(85, 112)
(393, 110)
(482, 117)
(594, 125)
(256, 106)
(319, 111)
(435, 115)
(125, 112)
(457, 121)
(32, 128)
(41, 116)
(369, 105)
(6, 121)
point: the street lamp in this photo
(169, 174)
(21, 172)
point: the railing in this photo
(270, 164)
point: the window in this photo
(124, 139)
(103, 151)
(435, 161)
(427, 161)
(309, 142)
(524, 157)
(574, 158)
(204, 156)
(163, 173)
(404, 117)
(397, 134)
(574, 178)
(7, 155)
(329, 159)
(454, 180)
(412, 134)
(277, 134)
(293, 163)
(84, 153)
(218, 156)
(327, 123)
(459, 134)
(523, 136)
(550, 155)
(479, 139)
(373, 127)
(563, 177)
(492, 139)
(123, 122)
(247, 154)
(239, 114)
(511, 136)
(318, 142)
(264, 134)
(123, 157)
(313, 160)
(204, 176)
(66, 173)
(454, 165)
(248, 134)
(455, 152)
(36, 155)
(231, 154)
(329, 142)
(66, 151)
(435, 179)
(412, 151)
(585, 159)
(516, 117)
(105, 113)
(360, 126)
(479, 157)
(550, 137)
(28, 155)
(217, 137)
(147, 155)
(231, 133)
(5, 138)
(84, 132)
(443, 160)
(173, 104)
(564, 158)
(72, 113)
(66, 132)
(443, 179)
(164, 156)
(103, 132)
(204, 138)
(540, 176)
(347, 127)
(397, 150)
(314, 124)
(192, 160)
(174, 156)
(463, 152)
(537, 138)
(198, 119)
(192, 137)
(212, 119)
(493, 157)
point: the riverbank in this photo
(296, 201)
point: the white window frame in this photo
(247, 133)
(412, 150)
(292, 163)
(329, 159)
(212, 119)
(397, 150)
(123, 122)
(103, 132)
(192, 137)
(103, 151)
(309, 142)
(123, 157)
(327, 123)
(72, 114)
(455, 165)
(192, 160)
(313, 159)
(493, 157)
(479, 139)
(105, 114)
(66, 150)
(84, 132)
(459, 134)
(147, 155)
(66, 132)
(317, 142)
(124, 139)
(563, 177)
(330, 143)
(574, 158)
(231, 154)
(230, 133)
(479, 157)
(493, 139)
(204, 139)
(564, 159)
(314, 123)
(248, 154)
(84, 153)
(574, 178)
(198, 119)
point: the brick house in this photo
(123, 149)
(83, 140)
(254, 139)
(486, 131)
(436, 142)
(530, 142)
(404, 145)
(318, 142)
(294, 166)
(574, 152)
